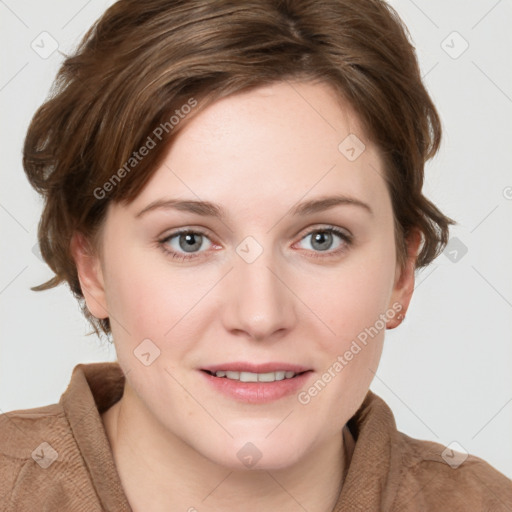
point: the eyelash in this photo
(347, 239)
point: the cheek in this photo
(353, 302)
(139, 299)
(353, 297)
(148, 298)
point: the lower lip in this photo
(257, 392)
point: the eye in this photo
(185, 244)
(330, 240)
(188, 244)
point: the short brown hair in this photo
(141, 62)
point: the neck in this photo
(160, 472)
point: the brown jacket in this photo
(58, 458)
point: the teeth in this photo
(255, 377)
(267, 377)
(248, 377)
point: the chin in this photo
(254, 453)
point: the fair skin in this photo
(257, 154)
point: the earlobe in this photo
(404, 285)
(90, 275)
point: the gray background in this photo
(445, 372)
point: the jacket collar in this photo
(373, 475)
(93, 389)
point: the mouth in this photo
(255, 377)
(257, 383)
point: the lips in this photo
(257, 383)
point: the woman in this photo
(233, 192)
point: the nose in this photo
(259, 304)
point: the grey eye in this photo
(322, 240)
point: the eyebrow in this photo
(208, 209)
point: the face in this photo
(288, 268)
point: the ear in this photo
(90, 275)
(404, 279)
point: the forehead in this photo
(277, 143)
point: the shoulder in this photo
(57, 457)
(22, 431)
(37, 448)
(436, 477)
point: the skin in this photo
(256, 154)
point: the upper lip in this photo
(240, 366)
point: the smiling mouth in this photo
(255, 377)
